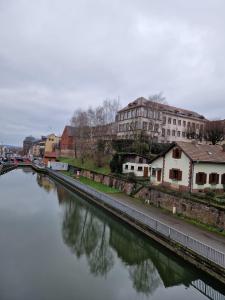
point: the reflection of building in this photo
(45, 182)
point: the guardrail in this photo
(205, 251)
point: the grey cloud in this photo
(58, 55)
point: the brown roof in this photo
(140, 102)
(203, 153)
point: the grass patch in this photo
(96, 185)
(202, 225)
(88, 164)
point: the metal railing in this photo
(207, 290)
(205, 251)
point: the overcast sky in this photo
(58, 55)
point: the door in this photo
(145, 172)
(159, 175)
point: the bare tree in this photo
(92, 126)
(157, 100)
(214, 131)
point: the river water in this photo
(56, 245)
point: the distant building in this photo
(163, 123)
(67, 143)
(27, 143)
(190, 167)
(52, 148)
(137, 164)
(38, 148)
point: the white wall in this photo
(208, 169)
(182, 164)
(157, 164)
(135, 171)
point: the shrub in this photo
(131, 177)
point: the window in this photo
(140, 160)
(184, 123)
(126, 167)
(179, 122)
(188, 124)
(153, 172)
(168, 131)
(140, 169)
(163, 132)
(132, 168)
(174, 121)
(213, 178)
(164, 120)
(145, 125)
(175, 174)
(223, 179)
(150, 126)
(156, 127)
(178, 133)
(176, 153)
(183, 134)
(169, 120)
(201, 178)
(173, 132)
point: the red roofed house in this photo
(190, 167)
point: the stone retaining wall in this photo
(206, 214)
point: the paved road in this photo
(210, 238)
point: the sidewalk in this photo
(212, 239)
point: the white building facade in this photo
(163, 123)
(190, 167)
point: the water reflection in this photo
(46, 183)
(92, 234)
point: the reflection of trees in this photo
(87, 231)
(87, 235)
(101, 259)
(145, 277)
(45, 182)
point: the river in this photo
(56, 245)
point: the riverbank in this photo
(193, 249)
(183, 244)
